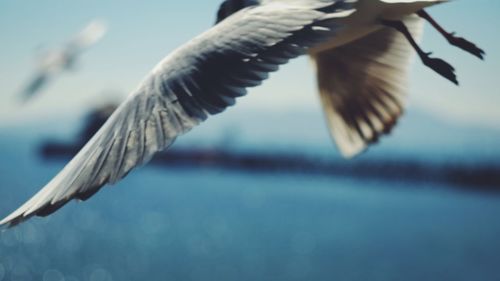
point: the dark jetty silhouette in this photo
(477, 177)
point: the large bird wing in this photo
(202, 77)
(363, 86)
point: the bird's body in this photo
(363, 21)
(366, 20)
(361, 71)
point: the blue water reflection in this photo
(214, 224)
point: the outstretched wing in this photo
(201, 78)
(363, 86)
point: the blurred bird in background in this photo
(52, 63)
(361, 52)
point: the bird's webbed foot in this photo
(465, 45)
(440, 66)
(454, 40)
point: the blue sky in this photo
(142, 32)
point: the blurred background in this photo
(258, 192)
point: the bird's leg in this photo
(459, 42)
(438, 65)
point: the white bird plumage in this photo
(205, 75)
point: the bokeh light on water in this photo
(53, 275)
(100, 274)
(170, 224)
(2, 272)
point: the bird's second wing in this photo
(201, 78)
(363, 86)
(35, 85)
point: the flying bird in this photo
(361, 52)
(53, 62)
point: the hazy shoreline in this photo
(484, 176)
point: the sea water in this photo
(211, 224)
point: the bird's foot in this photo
(441, 67)
(465, 45)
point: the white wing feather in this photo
(202, 77)
(363, 86)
